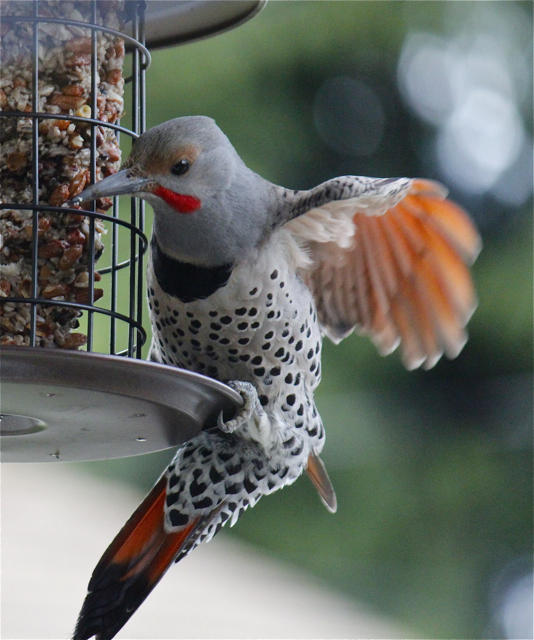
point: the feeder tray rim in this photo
(170, 28)
(192, 20)
(101, 358)
(61, 405)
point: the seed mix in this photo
(64, 72)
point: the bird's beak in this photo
(124, 181)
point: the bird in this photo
(244, 280)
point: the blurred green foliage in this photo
(433, 469)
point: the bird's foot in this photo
(251, 407)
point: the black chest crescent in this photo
(186, 281)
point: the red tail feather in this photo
(131, 567)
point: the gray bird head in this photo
(210, 209)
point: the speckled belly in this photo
(259, 327)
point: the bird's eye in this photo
(180, 167)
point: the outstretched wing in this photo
(392, 263)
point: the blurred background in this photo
(433, 470)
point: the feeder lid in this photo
(68, 405)
(170, 23)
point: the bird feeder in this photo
(74, 386)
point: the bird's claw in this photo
(251, 404)
(220, 422)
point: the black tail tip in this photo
(108, 607)
(99, 627)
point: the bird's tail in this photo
(131, 566)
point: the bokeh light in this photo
(472, 86)
(480, 140)
(512, 600)
(515, 611)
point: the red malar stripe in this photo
(179, 202)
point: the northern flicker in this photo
(244, 280)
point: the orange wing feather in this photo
(405, 279)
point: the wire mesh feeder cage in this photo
(71, 280)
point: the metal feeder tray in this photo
(172, 23)
(58, 405)
(71, 406)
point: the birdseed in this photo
(64, 71)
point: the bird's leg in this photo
(250, 412)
